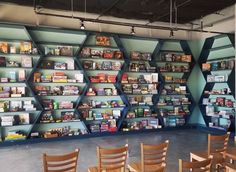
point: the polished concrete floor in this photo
(28, 158)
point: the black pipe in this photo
(129, 24)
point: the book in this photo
(47, 64)
(2, 61)
(60, 65)
(102, 40)
(21, 75)
(24, 118)
(25, 47)
(70, 64)
(3, 47)
(15, 105)
(79, 77)
(26, 61)
(66, 51)
(206, 66)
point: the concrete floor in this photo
(28, 158)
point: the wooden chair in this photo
(230, 159)
(199, 166)
(153, 158)
(111, 160)
(61, 163)
(217, 145)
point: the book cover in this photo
(24, 118)
(26, 61)
(60, 65)
(22, 75)
(3, 47)
(2, 61)
(25, 47)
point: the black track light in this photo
(82, 27)
(132, 31)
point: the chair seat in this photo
(136, 167)
(203, 155)
(95, 169)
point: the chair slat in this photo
(196, 166)
(61, 164)
(63, 170)
(112, 157)
(112, 162)
(61, 157)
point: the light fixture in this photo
(82, 27)
(132, 31)
(171, 33)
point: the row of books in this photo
(176, 111)
(14, 76)
(50, 64)
(170, 57)
(101, 104)
(106, 54)
(103, 78)
(140, 112)
(15, 135)
(141, 79)
(50, 104)
(171, 79)
(17, 105)
(214, 112)
(12, 92)
(143, 124)
(105, 65)
(26, 61)
(141, 67)
(59, 51)
(58, 77)
(92, 91)
(174, 89)
(21, 47)
(137, 55)
(139, 89)
(140, 100)
(174, 68)
(225, 91)
(219, 101)
(10, 120)
(107, 114)
(174, 121)
(217, 78)
(65, 116)
(221, 65)
(66, 90)
(173, 101)
(104, 126)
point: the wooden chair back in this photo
(199, 166)
(153, 155)
(217, 143)
(112, 159)
(61, 163)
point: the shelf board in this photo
(58, 95)
(100, 46)
(15, 67)
(15, 126)
(162, 61)
(218, 95)
(220, 47)
(58, 43)
(216, 70)
(18, 54)
(215, 82)
(141, 106)
(58, 56)
(140, 83)
(172, 51)
(141, 94)
(138, 72)
(175, 83)
(58, 83)
(100, 59)
(102, 96)
(102, 108)
(73, 109)
(91, 70)
(140, 118)
(8, 112)
(175, 94)
(103, 83)
(174, 72)
(64, 70)
(221, 59)
(173, 105)
(12, 83)
(48, 123)
(147, 61)
(12, 98)
(97, 120)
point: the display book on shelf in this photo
(59, 99)
(101, 107)
(175, 101)
(17, 104)
(140, 84)
(217, 102)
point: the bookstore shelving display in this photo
(217, 103)
(175, 103)
(102, 106)
(140, 84)
(72, 84)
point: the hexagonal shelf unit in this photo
(58, 82)
(217, 103)
(175, 102)
(140, 83)
(19, 109)
(103, 106)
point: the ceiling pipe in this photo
(127, 24)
